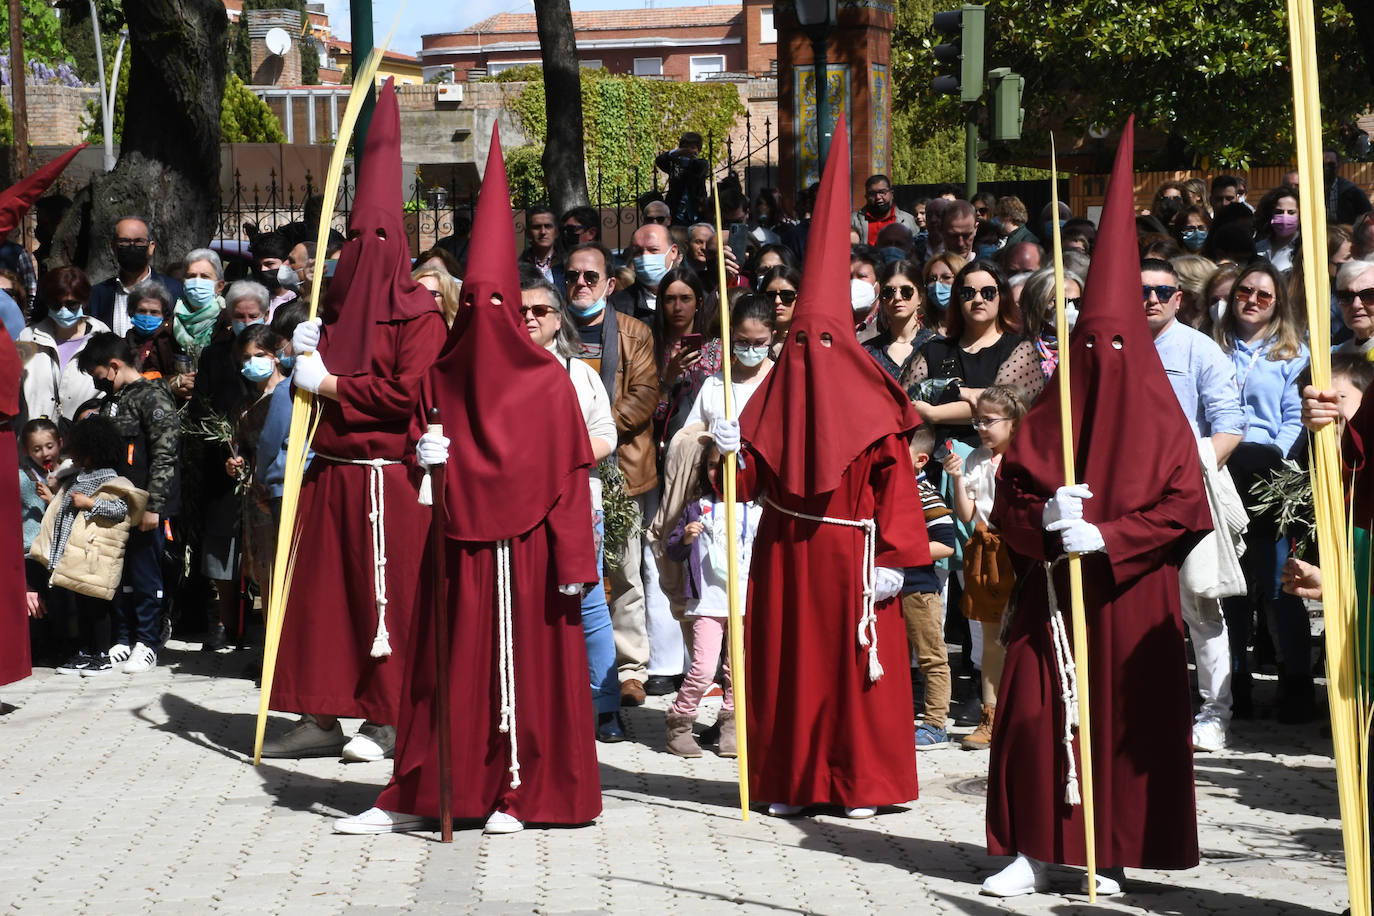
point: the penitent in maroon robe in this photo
(15, 663)
(819, 731)
(324, 665)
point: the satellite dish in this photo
(278, 42)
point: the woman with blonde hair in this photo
(1193, 271)
(443, 287)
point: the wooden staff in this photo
(728, 495)
(441, 637)
(1079, 614)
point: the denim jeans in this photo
(138, 605)
(596, 629)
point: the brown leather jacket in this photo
(633, 403)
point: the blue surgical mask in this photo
(939, 293)
(1193, 239)
(986, 251)
(287, 363)
(238, 326)
(67, 317)
(146, 325)
(257, 368)
(650, 268)
(750, 356)
(1049, 228)
(590, 311)
(198, 292)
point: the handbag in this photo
(989, 578)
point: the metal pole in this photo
(20, 101)
(823, 127)
(107, 118)
(360, 22)
(971, 151)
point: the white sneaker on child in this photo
(140, 660)
(119, 653)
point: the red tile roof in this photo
(347, 48)
(613, 20)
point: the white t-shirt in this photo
(596, 411)
(980, 480)
(710, 403)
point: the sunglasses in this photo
(589, 277)
(785, 296)
(539, 311)
(1262, 296)
(890, 292)
(1162, 292)
(988, 293)
(1071, 302)
(575, 227)
(660, 220)
(436, 294)
(1347, 296)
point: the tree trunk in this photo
(565, 170)
(169, 158)
(1363, 15)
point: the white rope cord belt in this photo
(506, 656)
(1068, 683)
(868, 620)
(376, 492)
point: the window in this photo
(648, 66)
(702, 65)
(497, 66)
(591, 65)
(768, 34)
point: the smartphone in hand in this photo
(692, 342)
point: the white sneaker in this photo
(1023, 876)
(1109, 881)
(1209, 735)
(371, 743)
(859, 814)
(140, 660)
(778, 809)
(501, 822)
(119, 653)
(375, 820)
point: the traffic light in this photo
(961, 59)
(1007, 113)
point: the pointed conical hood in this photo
(517, 429)
(827, 400)
(16, 200)
(1133, 442)
(372, 283)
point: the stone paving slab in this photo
(135, 794)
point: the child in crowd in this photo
(83, 538)
(922, 602)
(702, 541)
(39, 454)
(256, 349)
(988, 576)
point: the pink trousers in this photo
(708, 633)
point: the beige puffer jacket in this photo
(93, 562)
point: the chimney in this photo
(274, 47)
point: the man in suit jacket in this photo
(133, 246)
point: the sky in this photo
(429, 16)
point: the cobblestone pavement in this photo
(134, 794)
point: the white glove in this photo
(887, 583)
(1066, 503)
(572, 589)
(432, 448)
(1078, 536)
(726, 434)
(310, 372)
(306, 337)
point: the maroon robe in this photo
(819, 732)
(324, 665)
(1146, 812)
(559, 779)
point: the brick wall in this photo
(55, 113)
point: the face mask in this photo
(750, 356)
(257, 368)
(268, 278)
(1049, 228)
(986, 251)
(939, 293)
(287, 278)
(1070, 315)
(1284, 224)
(590, 311)
(650, 268)
(1217, 309)
(105, 385)
(287, 363)
(238, 326)
(922, 237)
(67, 317)
(199, 292)
(131, 258)
(861, 296)
(1193, 239)
(147, 325)
(892, 253)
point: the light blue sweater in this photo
(1269, 391)
(1203, 380)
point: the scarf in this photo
(193, 328)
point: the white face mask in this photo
(861, 296)
(1217, 308)
(1070, 316)
(750, 356)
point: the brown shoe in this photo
(727, 745)
(632, 693)
(680, 739)
(980, 739)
